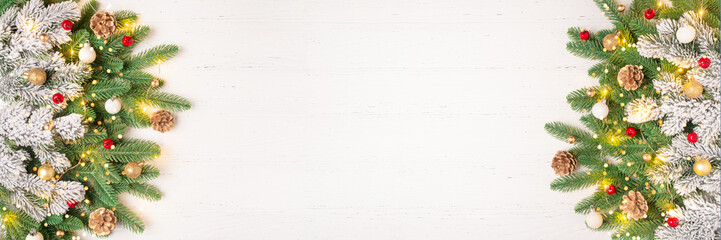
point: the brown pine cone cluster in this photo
(103, 24)
(630, 77)
(162, 121)
(634, 205)
(102, 221)
(564, 163)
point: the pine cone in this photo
(162, 121)
(103, 24)
(634, 205)
(102, 221)
(564, 163)
(630, 77)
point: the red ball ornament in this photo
(631, 132)
(611, 189)
(67, 25)
(672, 222)
(704, 62)
(584, 35)
(127, 41)
(58, 98)
(107, 143)
(71, 203)
(650, 13)
(692, 137)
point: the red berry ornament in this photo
(630, 131)
(127, 41)
(692, 137)
(107, 143)
(71, 203)
(672, 222)
(58, 98)
(704, 62)
(611, 189)
(67, 25)
(649, 13)
(584, 35)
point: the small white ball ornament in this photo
(594, 220)
(113, 105)
(600, 109)
(686, 34)
(33, 235)
(87, 54)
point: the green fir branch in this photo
(129, 219)
(104, 90)
(148, 173)
(142, 80)
(152, 56)
(102, 190)
(579, 101)
(145, 191)
(134, 115)
(125, 17)
(163, 100)
(575, 181)
(71, 223)
(86, 12)
(608, 9)
(132, 150)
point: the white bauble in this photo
(34, 236)
(87, 54)
(594, 220)
(600, 109)
(113, 105)
(686, 34)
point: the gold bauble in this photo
(621, 8)
(590, 93)
(46, 172)
(59, 233)
(36, 76)
(43, 37)
(610, 42)
(646, 157)
(702, 167)
(571, 139)
(155, 83)
(692, 89)
(133, 169)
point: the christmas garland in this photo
(652, 149)
(73, 86)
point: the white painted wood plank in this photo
(364, 119)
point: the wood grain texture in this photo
(364, 119)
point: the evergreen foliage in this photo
(117, 72)
(606, 154)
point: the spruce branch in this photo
(575, 181)
(103, 90)
(152, 56)
(86, 12)
(149, 172)
(129, 219)
(163, 100)
(145, 191)
(132, 150)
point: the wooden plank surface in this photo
(364, 119)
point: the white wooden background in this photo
(364, 119)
